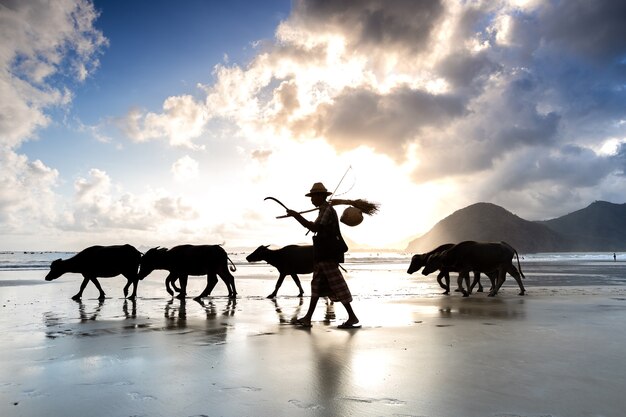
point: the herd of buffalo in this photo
(492, 259)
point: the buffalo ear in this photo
(266, 246)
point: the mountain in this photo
(488, 222)
(600, 227)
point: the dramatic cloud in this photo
(521, 103)
(41, 40)
(100, 206)
(26, 192)
(182, 121)
(513, 94)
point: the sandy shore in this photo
(559, 351)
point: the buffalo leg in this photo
(211, 281)
(493, 277)
(183, 287)
(83, 284)
(169, 280)
(229, 280)
(459, 282)
(476, 281)
(515, 274)
(445, 286)
(97, 284)
(297, 281)
(501, 276)
(131, 279)
(279, 283)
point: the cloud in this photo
(185, 168)
(261, 155)
(182, 120)
(506, 101)
(40, 40)
(46, 46)
(175, 208)
(26, 192)
(100, 205)
(403, 25)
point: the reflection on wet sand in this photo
(230, 308)
(333, 359)
(209, 308)
(133, 310)
(284, 318)
(176, 315)
(495, 308)
(88, 316)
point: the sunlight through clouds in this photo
(185, 168)
(436, 105)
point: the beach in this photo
(557, 351)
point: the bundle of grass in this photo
(353, 215)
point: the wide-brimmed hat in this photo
(318, 188)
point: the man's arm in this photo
(312, 226)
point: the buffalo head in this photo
(150, 261)
(417, 261)
(259, 254)
(56, 270)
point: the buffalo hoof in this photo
(77, 297)
(271, 296)
(181, 296)
(465, 294)
(102, 297)
(132, 297)
(301, 295)
(492, 294)
(522, 293)
(479, 290)
(446, 293)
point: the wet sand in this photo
(559, 351)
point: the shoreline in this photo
(557, 351)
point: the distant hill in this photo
(599, 227)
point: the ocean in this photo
(540, 269)
(40, 260)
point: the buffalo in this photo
(289, 260)
(184, 260)
(419, 260)
(100, 261)
(485, 257)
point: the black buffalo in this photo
(485, 257)
(184, 260)
(419, 260)
(100, 261)
(289, 260)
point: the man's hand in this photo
(292, 213)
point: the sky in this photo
(162, 123)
